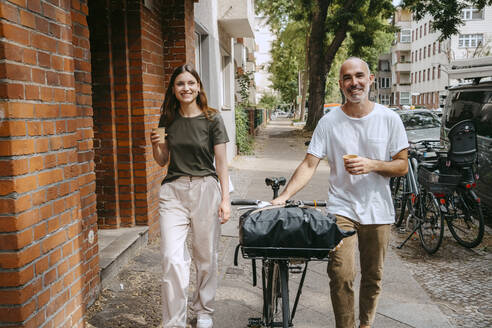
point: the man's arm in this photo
(397, 167)
(300, 178)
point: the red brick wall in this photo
(48, 270)
(179, 33)
(134, 50)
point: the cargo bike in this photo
(284, 238)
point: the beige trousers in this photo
(373, 240)
(188, 202)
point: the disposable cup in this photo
(349, 156)
(162, 134)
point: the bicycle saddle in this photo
(275, 181)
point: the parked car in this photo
(473, 101)
(420, 124)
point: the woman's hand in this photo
(224, 211)
(154, 138)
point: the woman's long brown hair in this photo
(170, 107)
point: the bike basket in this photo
(288, 232)
(438, 182)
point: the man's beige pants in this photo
(189, 202)
(373, 240)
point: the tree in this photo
(330, 23)
(446, 14)
(269, 101)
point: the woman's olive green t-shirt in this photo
(191, 142)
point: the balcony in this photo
(237, 17)
(402, 67)
(399, 46)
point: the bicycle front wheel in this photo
(284, 279)
(466, 221)
(399, 194)
(272, 293)
(431, 219)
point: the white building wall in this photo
(217, 67)
(426, 91)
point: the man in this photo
(359, 193)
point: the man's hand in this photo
(359, 165)
(280, 200)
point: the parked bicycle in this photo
(282, 237)
(438, 187)
(417, 204)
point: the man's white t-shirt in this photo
(379, 135)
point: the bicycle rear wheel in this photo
(431, 219)
(466, 221)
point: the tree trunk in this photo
(317, 72)
(323, 66)
(305, 76)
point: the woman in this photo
(190, 196)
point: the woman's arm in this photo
(159, 150)
(223, 173)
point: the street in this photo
(451, 288)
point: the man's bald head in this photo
(356, 59)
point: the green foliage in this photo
(244, 141)
(269, 101)
(244, 81)
(446, 13)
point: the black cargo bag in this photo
(289, 232)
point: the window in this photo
(404, 98)
(226, 82)
(405, 36)
(425, 29)
(433, 73)
(471, 13)
(402, 59)
(420, 54)
(412, 36)
(384, 82)
(439, 72)
(384, 66)
(420, 76)
(424, 52)
(471, 104)
(429, 50)
(470, 40)
(428, 74)
(439, 47)
(431, 30)
(434, 48)
(421, 31)
(423, 75)
(384, 99)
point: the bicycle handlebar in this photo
(253, 202)
(244, 202)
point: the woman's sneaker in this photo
(204, 322)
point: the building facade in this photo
(420, 62)
(82, 83)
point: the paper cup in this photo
(162, 134)
(345, 157)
